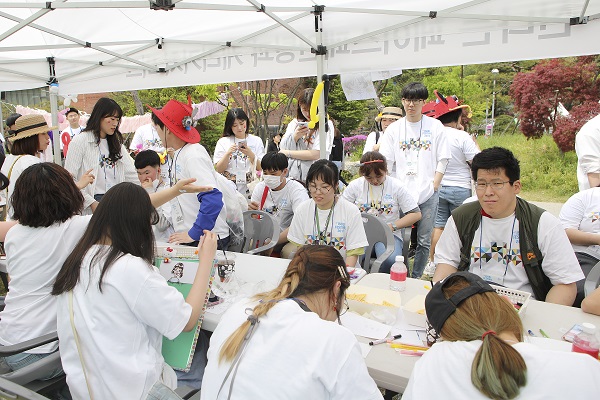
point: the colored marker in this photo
(544, 334)
(417, 353)
(384, 340)
(530, 332)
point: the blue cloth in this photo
(211, 204)
(428, 212)
(450, 198)
(18, 361)
(193, 378)
(379, 248)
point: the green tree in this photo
(347, 114)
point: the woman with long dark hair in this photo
(286, 344)
(99, 149)
(114, 307)
(238, 151)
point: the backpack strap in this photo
(467, 219)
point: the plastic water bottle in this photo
(586, 341)
(398, 274)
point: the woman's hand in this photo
(185, 186)
(247, 152)
(301, 131)
(85, 179)
(231, 150)
(207, 247)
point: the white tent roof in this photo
(112, 45)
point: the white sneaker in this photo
(429, 269)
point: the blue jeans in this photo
(451, 197)
(160, 391)
(379, 248)
(193, 378)
(428, 212)
(18, 361)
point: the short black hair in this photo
(324, 170)
(496, 158)
(147, 158)
(274, 161)
(415, 91)
(156, 121)
(452, 116)
(12, 118)
(70, 110)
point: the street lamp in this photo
(494, 72)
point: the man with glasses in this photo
(506, 240)
(416, 147)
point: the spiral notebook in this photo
(180, 273)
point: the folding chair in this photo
(592, 281)
(261, 232)
(377, 232)
(11, 390)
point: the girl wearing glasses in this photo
(385, 197)
(255, 353)
(326, 218)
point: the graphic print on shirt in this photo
(335, 237)
(106, 162)
(152, 143)
(499, 252)
(416, 144)
(275, 208)
(593, 216)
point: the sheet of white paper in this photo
(412, 337)
(382, 75)
(549, 344)
(365, 349)
(365, 327)
(358, 86)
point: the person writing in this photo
(254, 351)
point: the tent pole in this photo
(320, 54)
(56, 134)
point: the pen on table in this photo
(544, 334)
(384, 340)
(530, 332)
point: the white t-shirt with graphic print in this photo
(386, 201)
(496, 255)
(345, 230)
(146, 138)
(582, 212)
(283, 203)
(239, 164)
(107, 174)
(414, 149)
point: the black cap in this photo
(438, 308)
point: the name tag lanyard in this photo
(504, 258)
(372, 202)
(412, 164)
(172, 164)
(321, 233)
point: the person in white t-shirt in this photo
(114, 307)
(587, 147)
(284, 344)
(416, 146)
(191, 214)
(147, 164)
(385, 197)
(277, 195)
(502, 226)
(327, 218)
(99, 148)
(30, 139)
(382, 121)
(72, 115)
(238, 152)
(482, 355)
(302, 145)
(456, 184)
(580, 217)
(146, 138)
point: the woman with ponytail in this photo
(482, 355)
(286, 344)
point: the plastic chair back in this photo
(377, 232)
(11, 390)
(261, 232)
(592, 281)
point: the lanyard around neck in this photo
(321, 233)
(172, 164)
(372, 203)
(505, 257)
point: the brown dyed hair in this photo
(29, 145)
(314, 268)
(45, 194)
(380, 168)
(498, 371)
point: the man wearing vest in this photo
(506, 240)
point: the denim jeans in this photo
(451, 197)
(18, 361)
(428, 212)
(160, 391)
(193, 378)
(387, 264)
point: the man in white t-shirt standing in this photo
(456, 183)
(506, 240)
(587, 147)
(146, 138)
(417, 148)
(73, 129)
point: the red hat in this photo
(177, 116)
(441, 106)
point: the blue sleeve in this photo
(211, 204)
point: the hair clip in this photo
(370, 162)
(188, 122)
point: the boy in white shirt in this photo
(147, 163)
(73, 129)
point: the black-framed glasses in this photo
(413, 101)
(498, 185)
(322, 190)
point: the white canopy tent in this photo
(90, 46)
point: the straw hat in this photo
(29, 125)
(389, 112)
(177, 116)
(441, 106)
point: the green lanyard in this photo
(321, 234)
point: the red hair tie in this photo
(490, 332)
